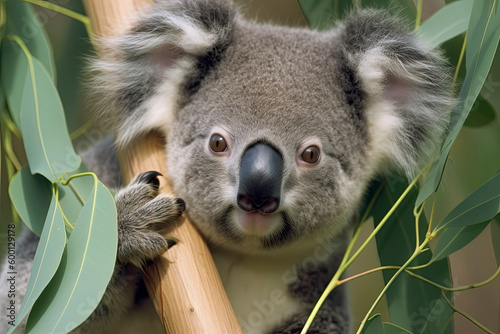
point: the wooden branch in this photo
(183, 283)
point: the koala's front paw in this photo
(142, 215)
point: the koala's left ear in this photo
(406, 89)
(144, 74)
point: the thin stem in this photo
(419, 14)
(77, 193)
(55, 191)
(417, 214)
(386, 287)
(66, 220)
(432, 215)
(465, 315)
(65, 182)
(10, 172)
(460, 59)
(460, 288)
(366, 273)
(74, 15)
(7, 145)
(448, 322)
(3, 16)
(11, 125)
(401, 329)
(81, 130)
(356, 4)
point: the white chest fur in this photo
(257, 287)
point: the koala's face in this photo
(269, 151)
(274, 133)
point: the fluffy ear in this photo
(406, 87)
(144, 74)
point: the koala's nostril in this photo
(245, 203)
(250, 205)
(270, 206)
(150, 177)
(181, 204)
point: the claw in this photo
(181, 205)
(150, 177)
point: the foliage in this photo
(414, 276)
(55, 196)
(74, 214)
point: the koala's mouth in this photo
(256, 223)
(270, 230)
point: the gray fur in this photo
(102, 159)
(368, 93)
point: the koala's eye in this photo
(218, 143)
(310, 155)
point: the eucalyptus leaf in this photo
(482, 205)
(447, 23)
(47, 258)
(46, 139)
(481, 114)
(31, 196)
(320, 14)
(409, 299)
(437, 314)
(22, 21)
(374, 325)
(13, 72)
(323, 14)
(495, 237)
(455, 238)
(390, 328)
(482, 42)
(86, 268)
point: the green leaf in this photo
(437, 315)
(482, 42)
(447, 23)
(47, 258)
(495, 237)
(374, 325)
(455, 238)
(321, 14)
(31, 196)
(72, 197)
(482, 205)
(14, 67)
(390, 328)
(409, 299)
(481, 114)
(22, 21)
(86, 268)
(46, 139)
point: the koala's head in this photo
(274, 133)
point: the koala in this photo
(273, 135)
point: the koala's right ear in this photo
(144, 74)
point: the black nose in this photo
(260, 179)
